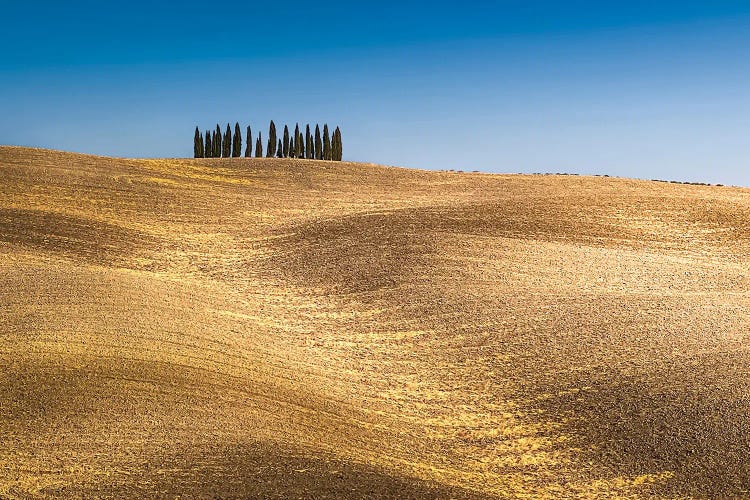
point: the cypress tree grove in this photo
(308, 143)
(259, 147)
(297, 142)
(249, 143)
(326, 143)
(217, 142)
(272, 139)
(318, 144)
(227, 151)
(237, 141)
(286, 142)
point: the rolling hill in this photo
(297, 328)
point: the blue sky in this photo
(627, 88)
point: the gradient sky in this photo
(629, 88)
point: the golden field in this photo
(299, 328)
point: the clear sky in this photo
(649, 89)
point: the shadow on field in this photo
(262, 471)
(370, 251)
(66, 235)
(689, 420)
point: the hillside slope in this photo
(284, 328)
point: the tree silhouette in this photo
(279, 153)
(217, 142)
(197, 144)
(207, 146)
(226, 151)
(285, 143)
(309, 152)
(326, 143)
(318, 144)
(297, 142)
(237, 141)
(272, 139)
(338, 148)
(259, 147)
(249, 143)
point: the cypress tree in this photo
(201, 146)
(227, 151)
(308, 143)
(297, 142)
(292, 147)
(334, 145)
(338, 149)
(249, 143)
(229, 141)
(259, 147)
(209, 153)
(196, 147)
(217, 142)
(326, 143)
(299, 145)
(286, 142)
(272, 139)
(278, 150)
(318, 144)
(341, 147)
(237, 141)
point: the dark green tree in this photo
(298, 146)
(217, 142)
(207, 148)
(272, 140)
(338, 148)
(249, 143)
(197, 144)
(237, 141)
(318, 144)
(227, 143)
(285, 143)
(259, 147)
(308, 143)
(278, 150)
(333, 146)
(326, 143)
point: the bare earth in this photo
(282, 328)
